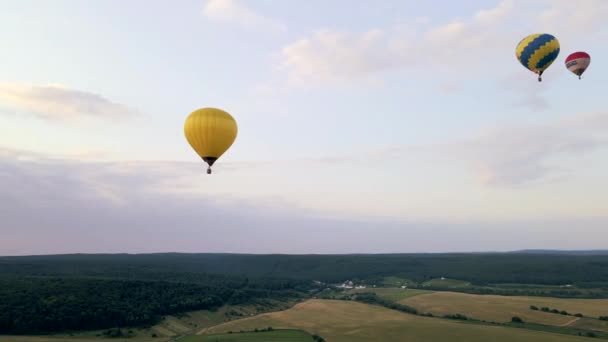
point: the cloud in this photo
(496, 14)
(511, 155)
(506, 155)
(59, 103)
(231, 11)
(571, 19)
(521, 154)
(451, 87)
(461, 46)
(62, 206)
(529, 93)
(422, 20)
(333, 56)
(330, 55)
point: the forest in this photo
(42, 294)
(548, 268)
(46, 302)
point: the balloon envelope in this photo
(537, 52)
(210, 132)
(578, 62)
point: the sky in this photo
(367, 127)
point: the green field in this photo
(446, 283)
(397, 282)
(503, 308)
(194, 321)
(342, 321)
(287, 335)
(591, 324)
(392, 294)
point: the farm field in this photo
(502, 308)
(393, 281)
(341, 321)
(446, 283)
(591, 324)
(287, 335)
(193, 321)
(392, 294)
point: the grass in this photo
(287, 335)
(446, 283)
(591, 324)
(339, 321)
(188, 323)
(397, 282)
(531, 286)
(392, 294)
(502, 308)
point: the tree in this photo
(578, 315)
(317, 338)
(533, 307)
(516, 319)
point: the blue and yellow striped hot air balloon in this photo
(537, 51)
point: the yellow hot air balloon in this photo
(210, 132)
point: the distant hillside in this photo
(98, 291)
(477, 268)
(563, 252)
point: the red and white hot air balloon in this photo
(578, 62)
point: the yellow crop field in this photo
(342, 321)
(502, 308)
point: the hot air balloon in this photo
(537, 52)
(578, 62)
(210, 132)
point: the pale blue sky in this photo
(387, 115)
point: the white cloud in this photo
(571, 19)
(54, 206)
(496, 14)
(422, 20)
(329, 55)
(441, 34)
(332, 56)
(56, 102)
(451, 87)
(529, 93)
(233, 12)
(512, 155)
(520, 154)
(460, 46)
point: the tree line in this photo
(42, 305)
(555, 311)
(477, 268)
